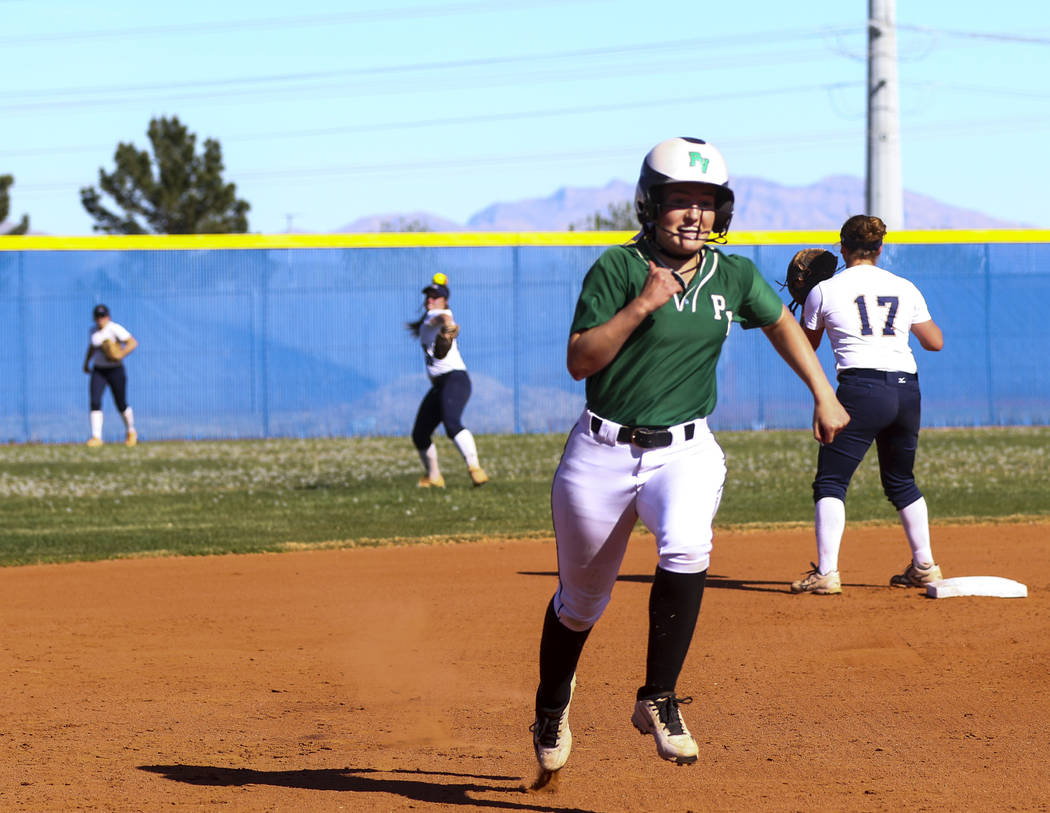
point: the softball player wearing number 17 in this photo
(868, 313)
(647, 333)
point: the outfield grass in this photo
(65, 503)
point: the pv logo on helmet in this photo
(696, 158)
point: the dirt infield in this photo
(402, 679)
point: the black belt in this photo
(642, 437)
(889, 376)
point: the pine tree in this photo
(7, 181)
(618, 217)
(174, 191)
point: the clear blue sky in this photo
(328, 111)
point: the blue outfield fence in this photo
(304, 336)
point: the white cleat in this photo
(821, 584)
(660, 717)
(551, 736)
(917, 575)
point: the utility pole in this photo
(884, 194)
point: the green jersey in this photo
(665, 372)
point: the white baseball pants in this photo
(601, 489)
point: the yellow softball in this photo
(440, 279)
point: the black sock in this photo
(560, 649)
(674, 604)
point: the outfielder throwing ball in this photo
(646, 335)
(449, 387)
(868, 313)
(108, 345)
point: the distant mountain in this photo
(410, 221)
(570, 205)
(763, 205)
(760, 206)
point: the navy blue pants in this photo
(884, 408)
(117, 381)
(443, 403)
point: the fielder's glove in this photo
(807, 268)
(447, 334)
(112, 350)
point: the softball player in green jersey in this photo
(649, 325)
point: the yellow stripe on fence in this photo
(211, 242)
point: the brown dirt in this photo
(402, 679)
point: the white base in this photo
(976, 586)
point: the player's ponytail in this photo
(862, 236)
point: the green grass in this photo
(966, 475)
(66, 503)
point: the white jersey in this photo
(112, 330)
(867, 313)
(428, 332)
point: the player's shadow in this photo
(714, 581)
(419, 786)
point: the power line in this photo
(363, 88)
(366, 88)
(402, 77)
(298, 21)
(977, 35)
(481, 118)
(798, 141)
(972, 89)
(664, 49)
(520, 115)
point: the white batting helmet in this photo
(683, 160)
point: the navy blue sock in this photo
(674, 605)
(560, 649)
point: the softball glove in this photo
(807, 268)
(111, 350)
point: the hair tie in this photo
(859, 245)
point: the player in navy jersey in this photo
(868, 314)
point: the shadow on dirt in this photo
(714, 582)
(429, 786)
